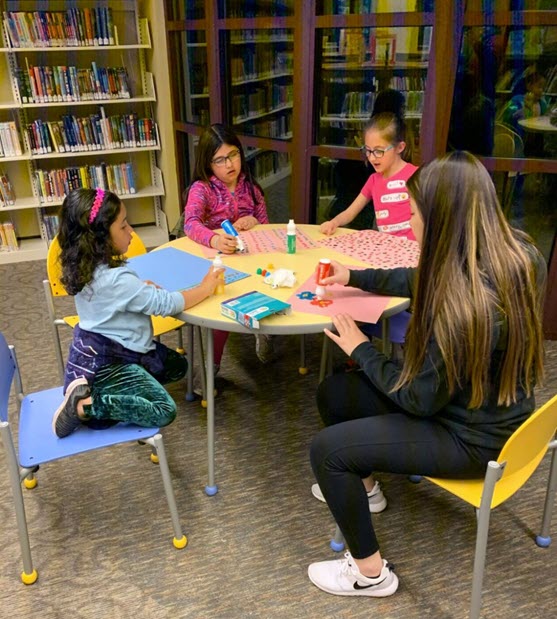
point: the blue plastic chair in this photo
(38, 444)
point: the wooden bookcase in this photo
(339, 49)
(140, 35)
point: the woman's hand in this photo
(349, 335)
(225, 243)
(338, 274)
(328, 227)
(245, 223)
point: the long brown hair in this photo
(473, 268)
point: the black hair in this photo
(85, 245)
(210, 141)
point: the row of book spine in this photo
(90, 133)
(269, 163)
(10, 144)
(7, 193)
(51, 225)
(46, 84)
(261, 100)
(279, 126)
(248, 35)
(250, 64)
(56, 184)
(73, 27)
(8, 238)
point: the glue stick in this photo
(219, 264)
(230, 229)
(323, 269)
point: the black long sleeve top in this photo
(428, 394)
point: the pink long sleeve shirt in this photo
(209, 204)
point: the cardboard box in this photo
(249, 308)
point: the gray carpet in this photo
(101, 533)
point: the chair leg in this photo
(544, 539)
(493, 474)
(337, 543)
(180, 347)
(29, 574)
(201, 365)
(303, 368)
(326, 358)
(190, 396)
(180, 539)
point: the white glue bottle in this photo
(291, 237)
(219, 264)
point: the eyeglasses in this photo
(221, 161)
(376, 152)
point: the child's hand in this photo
(349, 335)
(245, 223)
(212, 279)
(225, 243)
(328, 227)
(338, 274)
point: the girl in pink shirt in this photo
(383, 148)
(223, 188)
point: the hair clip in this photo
(97, 203)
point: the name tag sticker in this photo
(396, 184)
(394, 197)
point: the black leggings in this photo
(367, 432)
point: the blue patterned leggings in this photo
(128, 393)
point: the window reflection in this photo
(506, 87)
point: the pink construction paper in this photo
(268, 241)
(362, 306)
(378, 249)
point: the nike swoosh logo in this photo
(358, 586)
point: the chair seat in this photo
(39, 444)
(161, 324)
(470, 490)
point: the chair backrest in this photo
(7, 370)
(527, 446)
(506, 142)
(54, 268)
(136, 248)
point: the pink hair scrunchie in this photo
(97, 203)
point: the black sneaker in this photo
(66, 420)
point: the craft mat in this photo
(173, 269)
(362, 306)
(268, 241)
(380, 250)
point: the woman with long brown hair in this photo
(473, 354)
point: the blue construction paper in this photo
(174, 269)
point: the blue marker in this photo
(230, 229)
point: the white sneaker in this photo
(376, 498)
(342, 577)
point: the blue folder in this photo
(174, 269)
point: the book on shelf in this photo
(71, 28)
(8, 239)
(54, 185)
(10, 145)
(7, 194)
(90, 133)
(51, 225)
(51, 84)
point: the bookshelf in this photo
(87, 113)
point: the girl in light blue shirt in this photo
(115, 370)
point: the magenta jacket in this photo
(209, 204)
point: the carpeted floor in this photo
(101, 533)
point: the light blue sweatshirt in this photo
(118, 305)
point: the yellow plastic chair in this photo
(518, 459)
(53, 288)
(37, 445)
